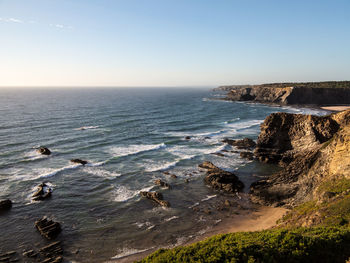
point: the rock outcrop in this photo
(43, 192)
(156, 197)
(44, 151)
(245, 143)
(79, 161)
(319, 93)
(162, 184)
(5, 205)
(311, 149)
(220, 179)
(48, 228)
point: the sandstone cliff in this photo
(313, 150)
(321, 93)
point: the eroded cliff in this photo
(313, 151)
(319, 93)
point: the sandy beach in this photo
(336, 108)
(262, 218)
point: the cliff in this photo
(315, 93)
(315, 153)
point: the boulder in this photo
(156, 197)
(5, 205)
(247, 155)
(44, 151)
(220, 179)
(162, 183)
(43, 192)
(79, 161)
(245, 143)
(188, 138)
(48, 228)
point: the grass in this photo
(279, 245)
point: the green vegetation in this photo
(336, 186)
(278, 245)
(324, 84)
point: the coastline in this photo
(262, 218)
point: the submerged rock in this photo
(44, 151)
(48, 228)
(5, 205)
(247, 155)
(245, 143)
(43, 192)
(220, 179)
(79, 161)
(162, 183)
(156, 197)
(52, 252)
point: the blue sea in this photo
(130, 137)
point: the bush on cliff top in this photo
(279, 245)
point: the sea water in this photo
(130, 137)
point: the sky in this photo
(172, 42)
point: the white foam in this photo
(134, 149)
(154, 166)
(122, 193)
(128, 252)
(49, 172)
(208, 198)
(34, 155)
(86, 128)
(194, 205)
(102, 173)
(245, 124)
(171, 218)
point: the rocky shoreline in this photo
(314, 153)
(310, 93)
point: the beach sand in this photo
(262, 218)
(336, 108)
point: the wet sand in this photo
(336, 108)
(263, 218)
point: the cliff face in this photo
(302, 93)
(311, 149)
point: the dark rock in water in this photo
(207, 138)
(156, 197)
(245, 143)
(162, 183)
(187, 181)
(218, 154)
(43, 192)
(220, 179)
(83, 162)
(48, 228)
(188, 138)
(44, 151)
(30, 254)
(207, 165)
(5, 205)
(173, 176)
(247, 155)
(166, 173)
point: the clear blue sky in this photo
(172, 42)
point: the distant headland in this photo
(310, 93)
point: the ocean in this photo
(130, 137)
